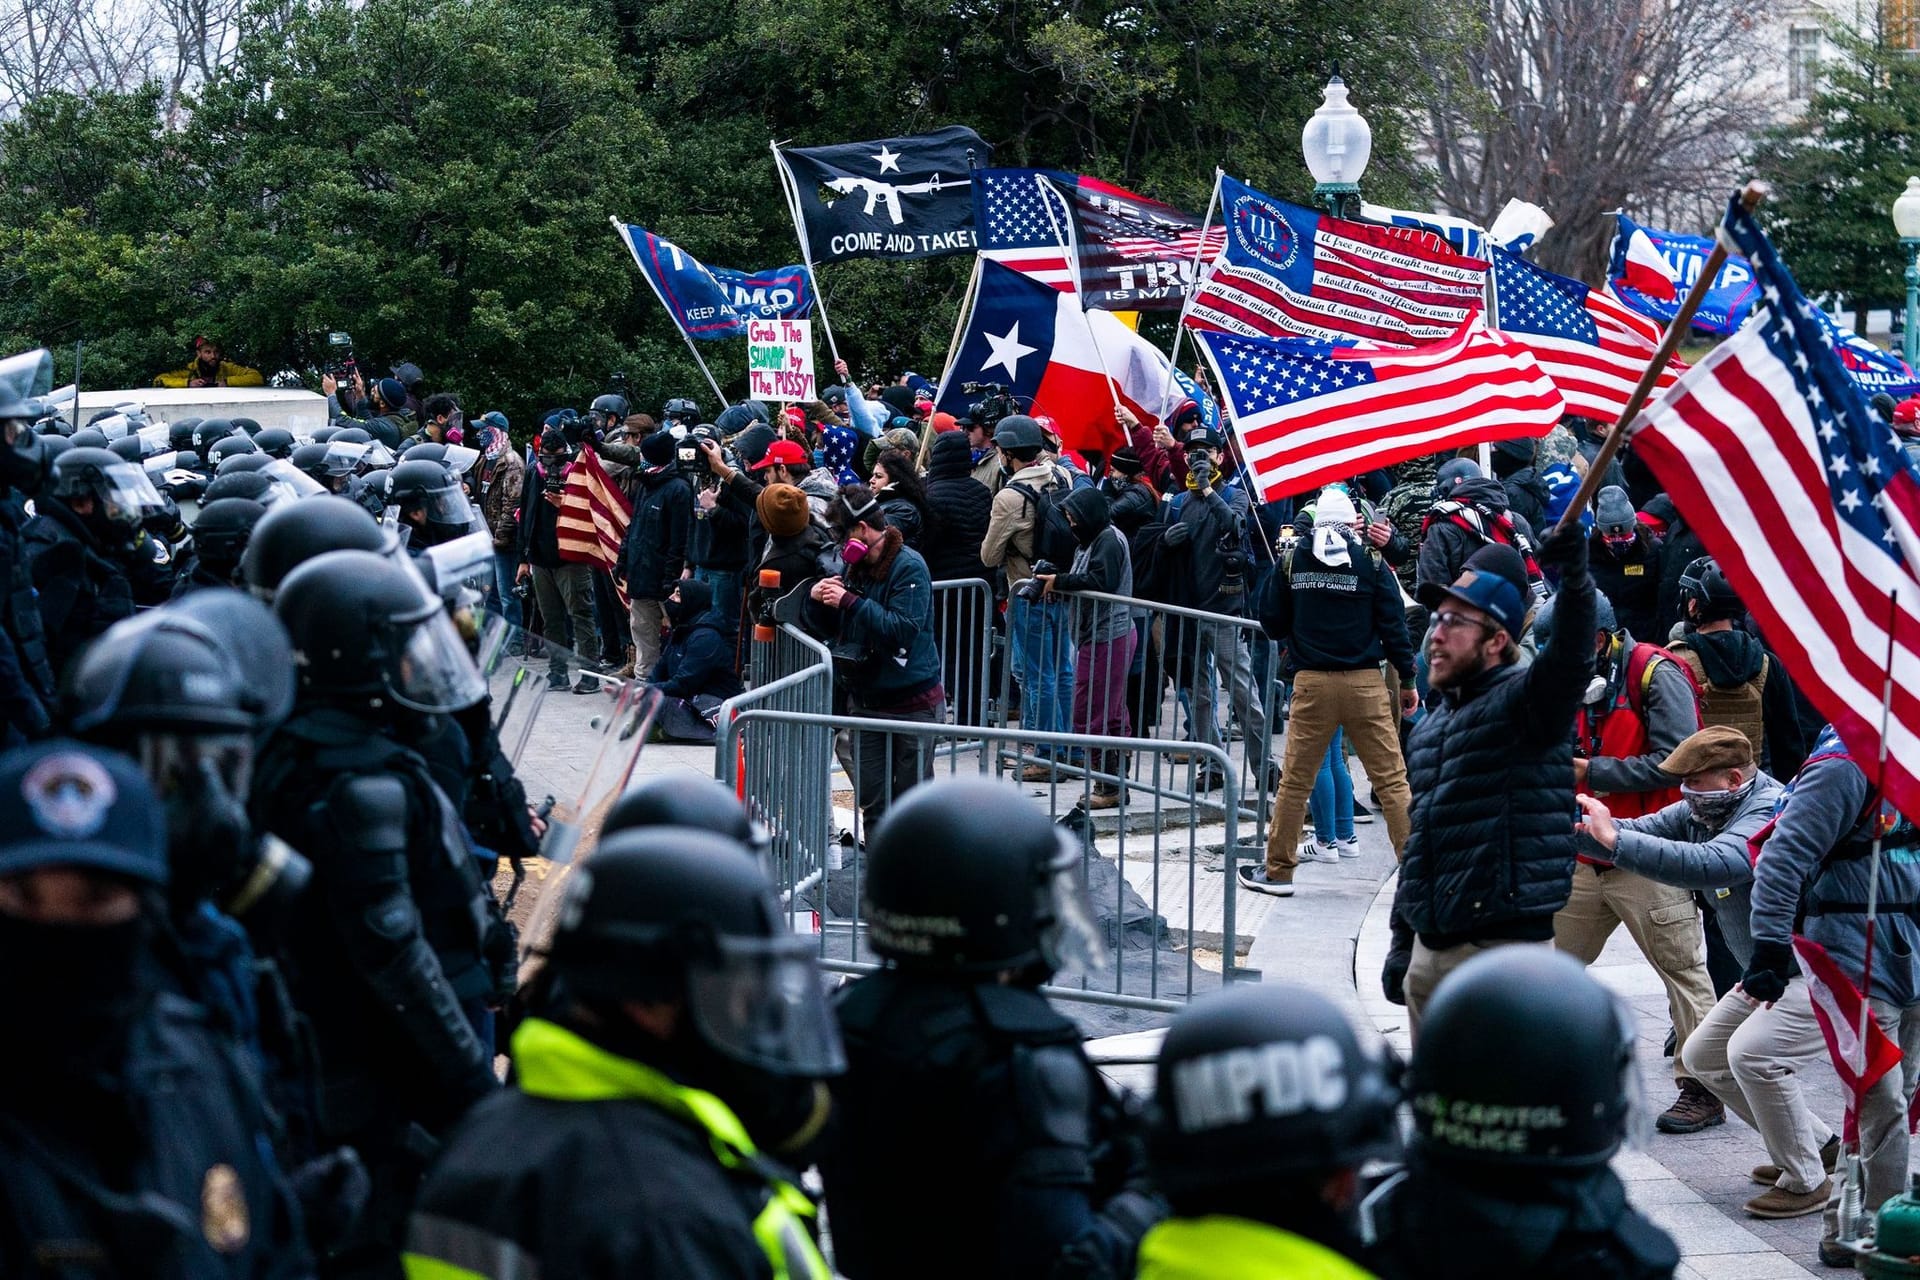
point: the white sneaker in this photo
(1348, 848)
(1311, 850)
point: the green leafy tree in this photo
(1836, 170)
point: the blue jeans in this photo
(1332, 801)
(505, 565)
(1043, 657)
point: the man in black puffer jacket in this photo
(965, 505)
(1490, 858)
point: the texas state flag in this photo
(1061, 362)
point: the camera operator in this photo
(884, 602)
(388, 419)
(655, 552)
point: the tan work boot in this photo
(1695, 1109)
(1768, 1174)
(1104, 797)
(1778, 1202)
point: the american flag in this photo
(593, 519)
(1288, 271)
(1010, 216)
(1310, 412)
(1591, 345)
(1836, 1007)
(1811, 507)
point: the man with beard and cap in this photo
(1263, 1177)
(26, 677)
(1523, 1086)
(1102, 635)
(499, 479)
(388, 419)
(1489, 858)
(675, 1061)
(654, 553)
(1626, 563)
(1740, 683)
(133, 1136)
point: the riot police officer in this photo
(220, 534)
(390, 942)
(678, 1051)
(26, 678)
(426, 497)
(681, 800)
(295, 533)
(965, 1089)
(131, 1135)
(1265, 1107)
(92, 560)
(1523, 1086)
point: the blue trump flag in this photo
(715, 302)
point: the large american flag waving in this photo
(1590, 344)
(1811, 507)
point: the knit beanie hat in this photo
(783, 510)
(657, 448)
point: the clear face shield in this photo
(435, 673)
(1070, 934)
(460, 458)
(127, 496)
(289, 483)
(759, 1001)
(356, 458)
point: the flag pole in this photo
(953, 349)
(619, 230)
(1750, 198)
(1199, 251)
(1073, 257)
(1851, 1192)
(790, 191)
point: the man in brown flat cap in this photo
(1749, 1055)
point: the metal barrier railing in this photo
(1158, 672)
(1138, 810)
(963, 617)
(792, 673)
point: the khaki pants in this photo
(1663, 924)
(1884, 1141)
(1324, 701)
(1751, 1057)
(646, 617)
(1428, 967)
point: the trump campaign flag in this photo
(890, 198)
(715, 302)
(1311, 412)
(1288, 271)
(1811, 507)
(1062, 362)
(1131, 253)
(1591, 345)
(1649, 270)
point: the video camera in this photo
(340, 361)
(691, 460)
(997, 402)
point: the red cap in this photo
(1907, 410)
(944, 422)
(781, 453)
(796, 417)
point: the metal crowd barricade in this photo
(1171, 682)
(963, 614)
(1143, 853)
(792, 674)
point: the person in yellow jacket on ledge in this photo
(1265, 1107)
(210, 368)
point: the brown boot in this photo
(1104, 796)
(1768, 1174)
(1695, 1109)
(1778, 1202)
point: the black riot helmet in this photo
(666, 913)
(275, 442)
(965, 877)
(351, 435)
(296, 532)
(180, 435)
(738, 417)
(156, 671)
(1260, 1083)
(674, 800)
(209, 430)
(419, 485)
(236, 461)
(1703, 585)
(228, 446)
(1524, 1062)
(312, 460)
(121, 491)
(241, 483)
(25, 460)
(128, 447)
(220, 534)
(255, 643)
(680, 410)
(367, 632)
(88, 438)
(607, 411)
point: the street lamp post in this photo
(1906, 222)
(1337, 144)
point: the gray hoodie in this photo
(1669, 846)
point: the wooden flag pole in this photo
(1750, 198)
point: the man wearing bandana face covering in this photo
(131, 1135)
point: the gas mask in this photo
(853, 551)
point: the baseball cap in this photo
(1494, 581)
(67, 804)
(786, 453)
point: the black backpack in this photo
(1052, 536)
